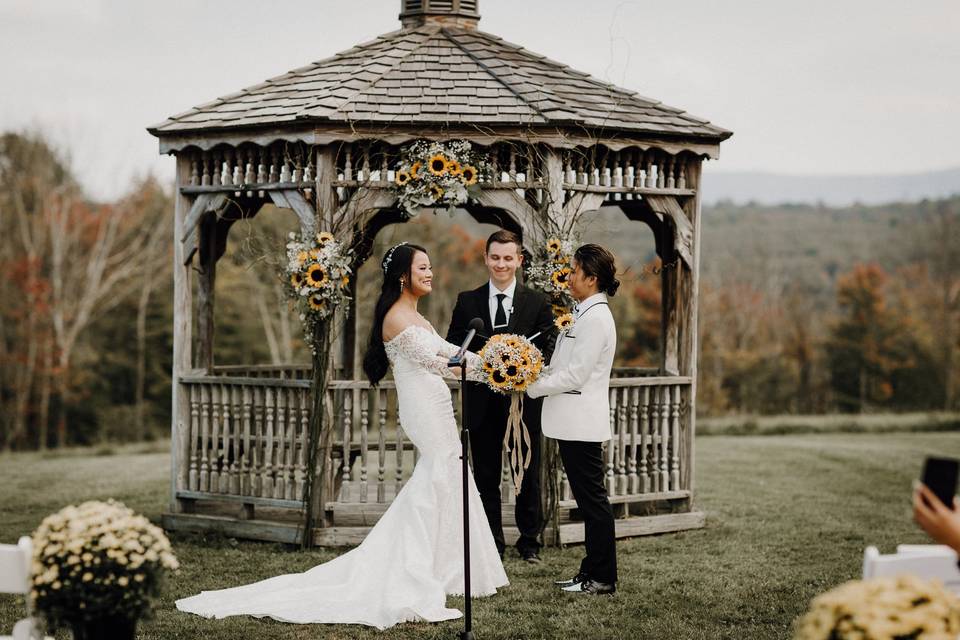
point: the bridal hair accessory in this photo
(387, 258)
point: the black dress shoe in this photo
(530, 555)
(593, 588)
(577, 579)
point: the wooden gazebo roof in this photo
(438, 74)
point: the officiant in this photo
(505, 306)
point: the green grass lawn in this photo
(787, 518)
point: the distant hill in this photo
(836, 191)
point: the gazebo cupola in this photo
(449, 13)
(325, 140)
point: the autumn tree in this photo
(869, 342)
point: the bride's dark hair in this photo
(396, 264)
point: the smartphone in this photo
(940, 475)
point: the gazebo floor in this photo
(352, 521)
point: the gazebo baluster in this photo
(382, 400)
(246, 466)
(675, 438)
(610, 447)
(633, 480)
(293, 428)
(205, 403)
(364, 425)
(193, 480)
(215, 456)
(274, 164)
(346, 489)
(620, 437)
(234, 484)
(645, 441)
(206, 161)
(268, 456)
(303, 399)
(664, 415)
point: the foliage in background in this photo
(85, 325)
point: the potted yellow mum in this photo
(97, 568)
(900, 608)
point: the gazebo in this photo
(324, 141)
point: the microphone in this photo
(457, 359)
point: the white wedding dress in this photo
(412, 559)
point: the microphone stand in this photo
(467, 633)
(460, 360)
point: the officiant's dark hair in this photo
(596, 261)
(396, 264)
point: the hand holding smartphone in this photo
(940, 475)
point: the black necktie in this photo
(500, 318)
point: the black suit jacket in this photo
(532, 313)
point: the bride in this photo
(413, 558)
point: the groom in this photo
(505, 306)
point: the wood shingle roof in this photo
(440, 75)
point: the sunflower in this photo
(345, 281)
(415, 170)
(403, 177)
(436, 191)
(469, 175)
(498, 380)
(564, 322)
(554, 245)
(453, 167)
(314, 254)
(296, 279)
(560, 277)
(324, 237)
(317, 303)
(302, 256)
(438, 165)
(558, 310)
(316, 276)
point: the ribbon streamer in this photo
(515, 439)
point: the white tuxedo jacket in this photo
(577, 382)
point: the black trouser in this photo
(486, 442)
(583, 462)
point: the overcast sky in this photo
(808, 87)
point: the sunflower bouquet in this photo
(892, 608)
(434, 174)
(95, 561)
(549, 271)
(318, 277)
(512, 363)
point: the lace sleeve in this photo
(474, 364)
(419, 346)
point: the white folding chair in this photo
(15, 578)
(924, 561)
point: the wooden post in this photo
(206, 284)
(553, 175)
(182, 346)
(670, 301)
(689, 336)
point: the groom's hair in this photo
(504, 236)
(596, 261)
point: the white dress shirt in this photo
(507, 302)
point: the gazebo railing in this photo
(247, 437)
